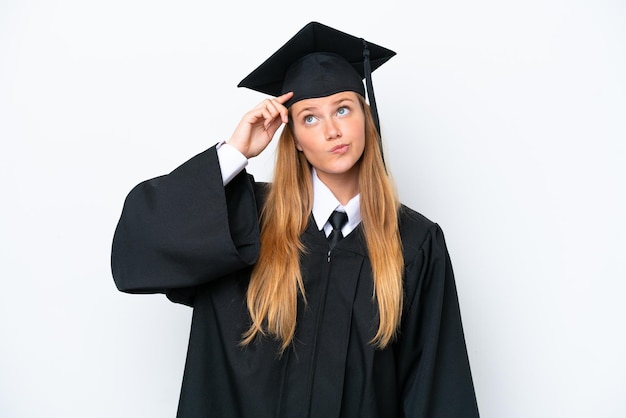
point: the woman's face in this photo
(330, 131)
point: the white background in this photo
(504, 121)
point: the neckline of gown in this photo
(354, 242)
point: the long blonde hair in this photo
(272, 295)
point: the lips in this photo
(339, 149)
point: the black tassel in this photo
(370, 93)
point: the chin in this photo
(342, 169)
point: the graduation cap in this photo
(319, 61)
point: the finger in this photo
(269, 117)
(273, 127)
(275, 110)
(284, 97)
(278, 104)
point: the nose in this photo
(332, 130)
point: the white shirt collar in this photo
(325, 202)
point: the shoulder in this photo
(417, 232)
(426, 260)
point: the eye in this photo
(343, 110)
(309, 119)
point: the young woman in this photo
(295, 316)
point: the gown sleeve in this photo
(435, 372)
(185, 229)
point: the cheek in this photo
(361, 141)
(304, 142)
(362, 149)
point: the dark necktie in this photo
(337, 220)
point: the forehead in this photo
(325, 101)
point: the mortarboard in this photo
(319, 61)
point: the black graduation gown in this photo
(188, 236)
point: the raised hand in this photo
(258, 126)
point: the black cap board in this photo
(319, 61)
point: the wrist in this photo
(241, 148)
